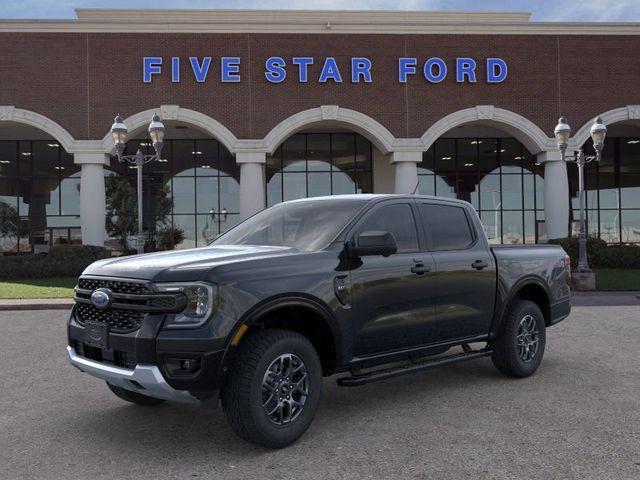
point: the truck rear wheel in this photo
(272, 391)
(134, 397)
(519, 348)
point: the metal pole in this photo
(139, 164)
(583, 263)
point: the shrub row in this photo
(599, 254)
(61, 261)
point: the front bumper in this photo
(144, 379)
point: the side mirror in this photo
(373, 242)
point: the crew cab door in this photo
(394, 296)
(465, 271)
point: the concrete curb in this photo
(36, 304)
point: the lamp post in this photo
(562, 133)
(119, 133)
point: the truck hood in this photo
(181, 265)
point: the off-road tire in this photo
(134, 397)
(244, 393)
(507, 355)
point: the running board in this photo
(376, 375)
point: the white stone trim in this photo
(531, 136)
(309, 21)
(382, 138)
(628, 112)
(10, 113)
(176, 113)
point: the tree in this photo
(9, 221)
(122, 211)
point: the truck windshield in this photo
(307, 225)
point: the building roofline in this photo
(311, 21)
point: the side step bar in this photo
(382, 374)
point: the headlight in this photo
(201, 301)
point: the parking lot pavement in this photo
(578, 417)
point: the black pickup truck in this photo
(369, 286)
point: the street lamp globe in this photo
(156, 132)
(598, 132)
(119, 133)
(562, 133)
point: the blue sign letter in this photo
(230, 70)
(150, 66)
(360, 66)
(330, 71)
(275, 69)
(496, 70)
(200, 71)
(406, 66)
(303, 65)
(428, 70)
(175, 69)
(465, 67)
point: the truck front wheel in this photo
(518, 349)
(272, 391)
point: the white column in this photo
(252, 187)
(556, 194)
(406, 168)
(92, 197)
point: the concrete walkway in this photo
(36, 304)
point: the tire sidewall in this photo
(287, 433)
(522, 309)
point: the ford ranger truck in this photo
(367, 286)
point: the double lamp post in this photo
(562, 133)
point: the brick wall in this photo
(82, 80)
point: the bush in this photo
(618, 256)
(570, 245)
(599, 254)
(61, 261)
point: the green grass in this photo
(617, 279)
(37, 288)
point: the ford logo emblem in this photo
(102, 298)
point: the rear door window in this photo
(447, 226)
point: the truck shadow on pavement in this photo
(172, 428)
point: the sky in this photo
(542, 10)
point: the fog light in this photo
(182, 366)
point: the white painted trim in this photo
(309, 21)
(9, 113)
(177, 113)
(629, 112)
(382, 138)
(531, 136)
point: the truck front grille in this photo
(132, 301)
(119, 320)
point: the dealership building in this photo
(262, 107)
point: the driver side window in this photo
(397, 219)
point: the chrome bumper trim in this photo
(144, 379)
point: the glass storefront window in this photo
(498, 176)
(319, 164)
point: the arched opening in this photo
(495, 172)
(189, 197)
(39, 190)
(317, 161)
(612, 186)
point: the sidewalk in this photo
(579, 299)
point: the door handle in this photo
(479, 264)
(420, 269)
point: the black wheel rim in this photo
(528, 338)
(285, 387)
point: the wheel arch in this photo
(300, 313)
(530, 288)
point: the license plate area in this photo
(96, 334)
